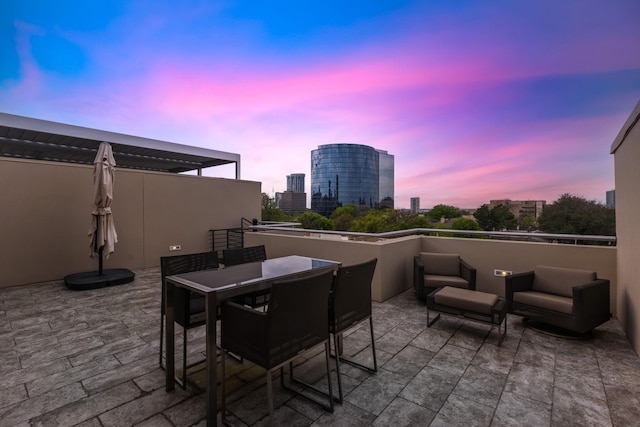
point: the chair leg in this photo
(184, 358)
(223, 400)
(161, 339)
(328, 394)
(356, 364)
(270, 397)
(340, 397)
(373, 346)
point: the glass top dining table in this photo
(221, 284)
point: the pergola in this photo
(35, 139)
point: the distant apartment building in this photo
(611, 199)
(521, 208)
(293, 202)
(343, 174)
(415, 205)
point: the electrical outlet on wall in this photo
(175, 247)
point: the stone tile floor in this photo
(90, 358)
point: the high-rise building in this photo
(355, 174)
(295, 182)
(611, 199)
(293, 200)
(386, 178)
(415, 205)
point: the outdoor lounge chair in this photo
(571, 299)
(296, 321)
(434, 270)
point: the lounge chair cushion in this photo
(436, 281)
(544, 300)
(465, 299)
(441, 264)
(560, 281)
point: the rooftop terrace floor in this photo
(90, 358)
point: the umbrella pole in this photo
(95, 246)
(100, 260)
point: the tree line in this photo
(569, 214)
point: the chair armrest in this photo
(241, 324)
(592, 299)
(418, 277)
(469, 274)
(516, 283)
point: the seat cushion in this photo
(441, 264)
(465, 299)
(436, 281)
(559, 280)
(545, 300)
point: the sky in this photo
(476, 100)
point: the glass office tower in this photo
(344, 174)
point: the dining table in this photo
(222, 284)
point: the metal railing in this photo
(576, 239)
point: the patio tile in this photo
(89, 407)
(409, 361)
(430, 388)
(571, 409)
(494, 358)
(31, 408)
(624, 404)
(458, 411)
(401, 412)
(452, 359)
(532, 382)
(346, 414)
(481, 386)
(375, 393)
(515, 410)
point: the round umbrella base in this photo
(94, 280)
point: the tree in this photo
(528, 223)
(497, 218)
(314, 221)
(465, 224)
(444, 211)
(344, 216)
(270, 212)
(576, 215)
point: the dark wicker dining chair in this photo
(296, 321)
(189, 306)
(237, 256)
(350, 304)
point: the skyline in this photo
(475, 100)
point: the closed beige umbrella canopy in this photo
(103, 230)
(102, 235)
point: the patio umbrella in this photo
(102, 235)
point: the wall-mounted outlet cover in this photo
(175, 247)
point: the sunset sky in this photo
(477, 100)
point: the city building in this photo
(386, 178)
(295, 182)
(611, 199)
(292, 201)
(355, 174)
(521, 208)
(415, 205)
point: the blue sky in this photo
(477, 100)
